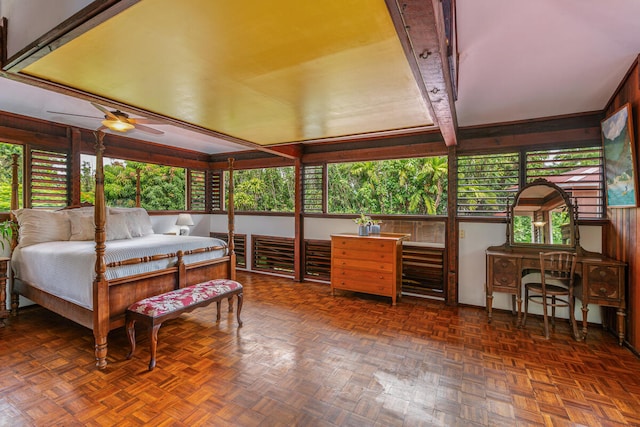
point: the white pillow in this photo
(82, 225)
(117, 227)
(138, 220)
(39, 226)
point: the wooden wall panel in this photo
(623, 232)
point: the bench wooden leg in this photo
(218, 310)
(153, 338)
(230, 301)
(131, 333)
(240, 298)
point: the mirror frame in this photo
(570, 210)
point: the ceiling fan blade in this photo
(145, 121)
(106, 112)
(71, 114)
(149, 130)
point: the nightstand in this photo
(4, 313)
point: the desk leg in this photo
(519, 301)
(489, 304)
(585, 312)
(572, 316)
(621, 316)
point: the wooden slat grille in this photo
(273, 254)
(578, 171)
(240, 246)
(197, 190)
(317, 259)
(487, 183)
(313, 188)
(423, 270)
(49, 179)
(216, 191)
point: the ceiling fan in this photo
(119, 121)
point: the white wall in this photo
(30, 19)
(167, 224)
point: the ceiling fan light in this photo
(117, 125)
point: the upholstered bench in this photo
(154, 310)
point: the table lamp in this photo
(184, 221)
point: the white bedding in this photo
(66, 268)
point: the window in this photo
(488, 183)
(264, 190)
(161, 187)
(216, 190)
(416, 186)
(49, 181)
(578, 171)
(6, 152)
(313, 180)
(197, 190)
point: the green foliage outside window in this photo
(263, 190)
(162, 187)
(6, 150)
(415, 186)
(409, 186)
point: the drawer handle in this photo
(603, 291)
(381, 277)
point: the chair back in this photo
(558, 266)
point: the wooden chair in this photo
(555, 289)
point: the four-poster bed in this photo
(118, 279)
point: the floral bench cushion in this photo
(179, 299)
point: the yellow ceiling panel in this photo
(266, 72)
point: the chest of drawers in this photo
(368, 264)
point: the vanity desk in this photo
(542, 218)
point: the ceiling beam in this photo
(292, 151)
(421, 29)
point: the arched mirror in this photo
(542, 214)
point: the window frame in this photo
(525, 155)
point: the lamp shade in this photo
(184, 219)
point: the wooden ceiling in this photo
(255, 73)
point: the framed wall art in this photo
(621, 179)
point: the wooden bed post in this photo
(230, 209)
(15, 185)
(100, 285)
(15, 205)
(138, 192)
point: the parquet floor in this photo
(305, 358)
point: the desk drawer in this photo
(603, 282)
(506, 272)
